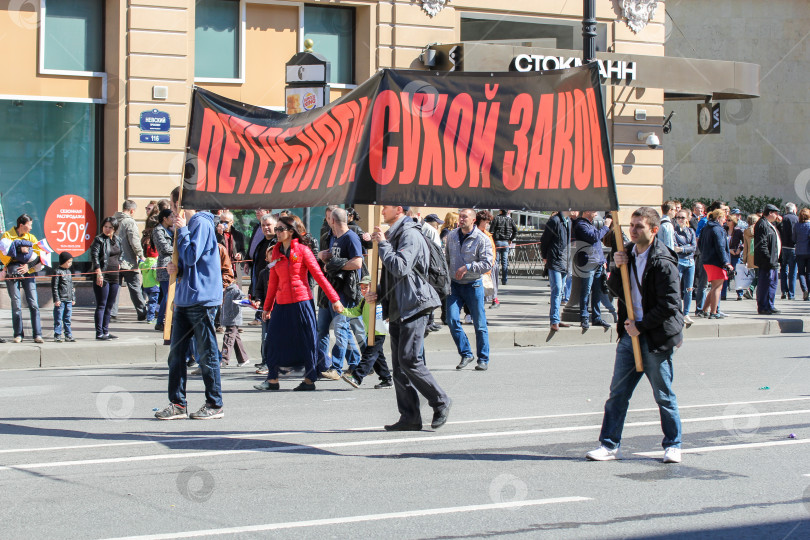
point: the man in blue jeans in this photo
(504, 232)
(655, 291)
(469, 255)
(587, 256)
(198, 295)
(554, 249)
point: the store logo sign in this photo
(613, 69)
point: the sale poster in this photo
(70, 225)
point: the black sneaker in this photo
(172, 412)
(586, 324)
(464, 362)
(207, 412)
(110, 336)
(260, 364)
(304, 387)
(403, 426)
(440, 415)
(70, 339)
(482, 366)
(601, 322)
(384, 384)
(58, 338)
(267, 385)
(349, 378)
(191, 363)
(159, 327)
(103, 338)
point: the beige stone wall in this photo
(763, 147)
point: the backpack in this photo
(438, 275)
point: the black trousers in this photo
(373, 359)
(411, 375)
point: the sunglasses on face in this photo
(226, 223)
(282, 229)
(681, 217)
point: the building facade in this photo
(83, 79)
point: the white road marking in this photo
(356, 519)
(261, 434)
(720, 448)
(284, 447)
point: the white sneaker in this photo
(688, 320)
(604, 453)
(468, 319)
(672, 455)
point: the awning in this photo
(680, 78)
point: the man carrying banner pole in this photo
(653, 316)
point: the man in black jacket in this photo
(554, 249)
(767, 246)
(503, 231)
(787, 272)
(655, 289)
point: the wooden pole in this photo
(167, 323)
(628, 298)
(373, 264)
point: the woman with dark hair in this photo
(163, 240)
(290, 336)
(105, 257)
(24, 276)
(714, 254)
(802, 237)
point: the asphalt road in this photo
(81, 456)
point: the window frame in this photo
(242, 29)
(353, 9)
(68, 72)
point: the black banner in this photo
(523, 141)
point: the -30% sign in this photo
(70, 225)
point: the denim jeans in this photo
(471, 294)
(567, 291)
(29, 287)
(687, 275)
(701, 285)
(327, 318)
(194, 323)
(502, 254)
(803, 270)
(152, 294)
(164, 295)
(557, 281)
(598, 296)
(766, 289)
(61, 316)
(106, 296)
(787, 273)
(585, 282)
(658, 369)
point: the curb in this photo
(140, 351)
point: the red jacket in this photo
(288, 282)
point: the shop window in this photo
(217, 39)
(49, 149)
(528, 31)
(73, 35)
(332, 30)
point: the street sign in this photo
(161, 138)
(155, 120)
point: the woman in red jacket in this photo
(291, 328)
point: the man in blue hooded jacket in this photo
(198, 294)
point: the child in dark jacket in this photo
(21, 253)
(64, 297)
(232, 320)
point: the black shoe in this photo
(58, 338)
(601, 322)
(191, 363)
(481, 366)
(440, 415)
(586, 324)
(384, 384)
(304, 387)
(111, 336)
(784, 296)
(267, 385)
(103, 338)
(3, 340)
(464, 362)
(70, 339)
(113, 317)
(260, 364)
(722, 298)
(159, 327)
(403, 426)
(141, 318)
(774, 312)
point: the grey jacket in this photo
(231, 313)
(405, 257)
(163, 241)
(131, 249)
(476, 254)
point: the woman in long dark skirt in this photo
(290, 336)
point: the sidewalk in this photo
(521, 321)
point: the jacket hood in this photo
(205, 215)
(403, 224)
(663, 252)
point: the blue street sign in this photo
(155, 120)
(163, 138)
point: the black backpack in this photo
(438, 275)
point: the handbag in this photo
(489, 287)
(744, 277)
